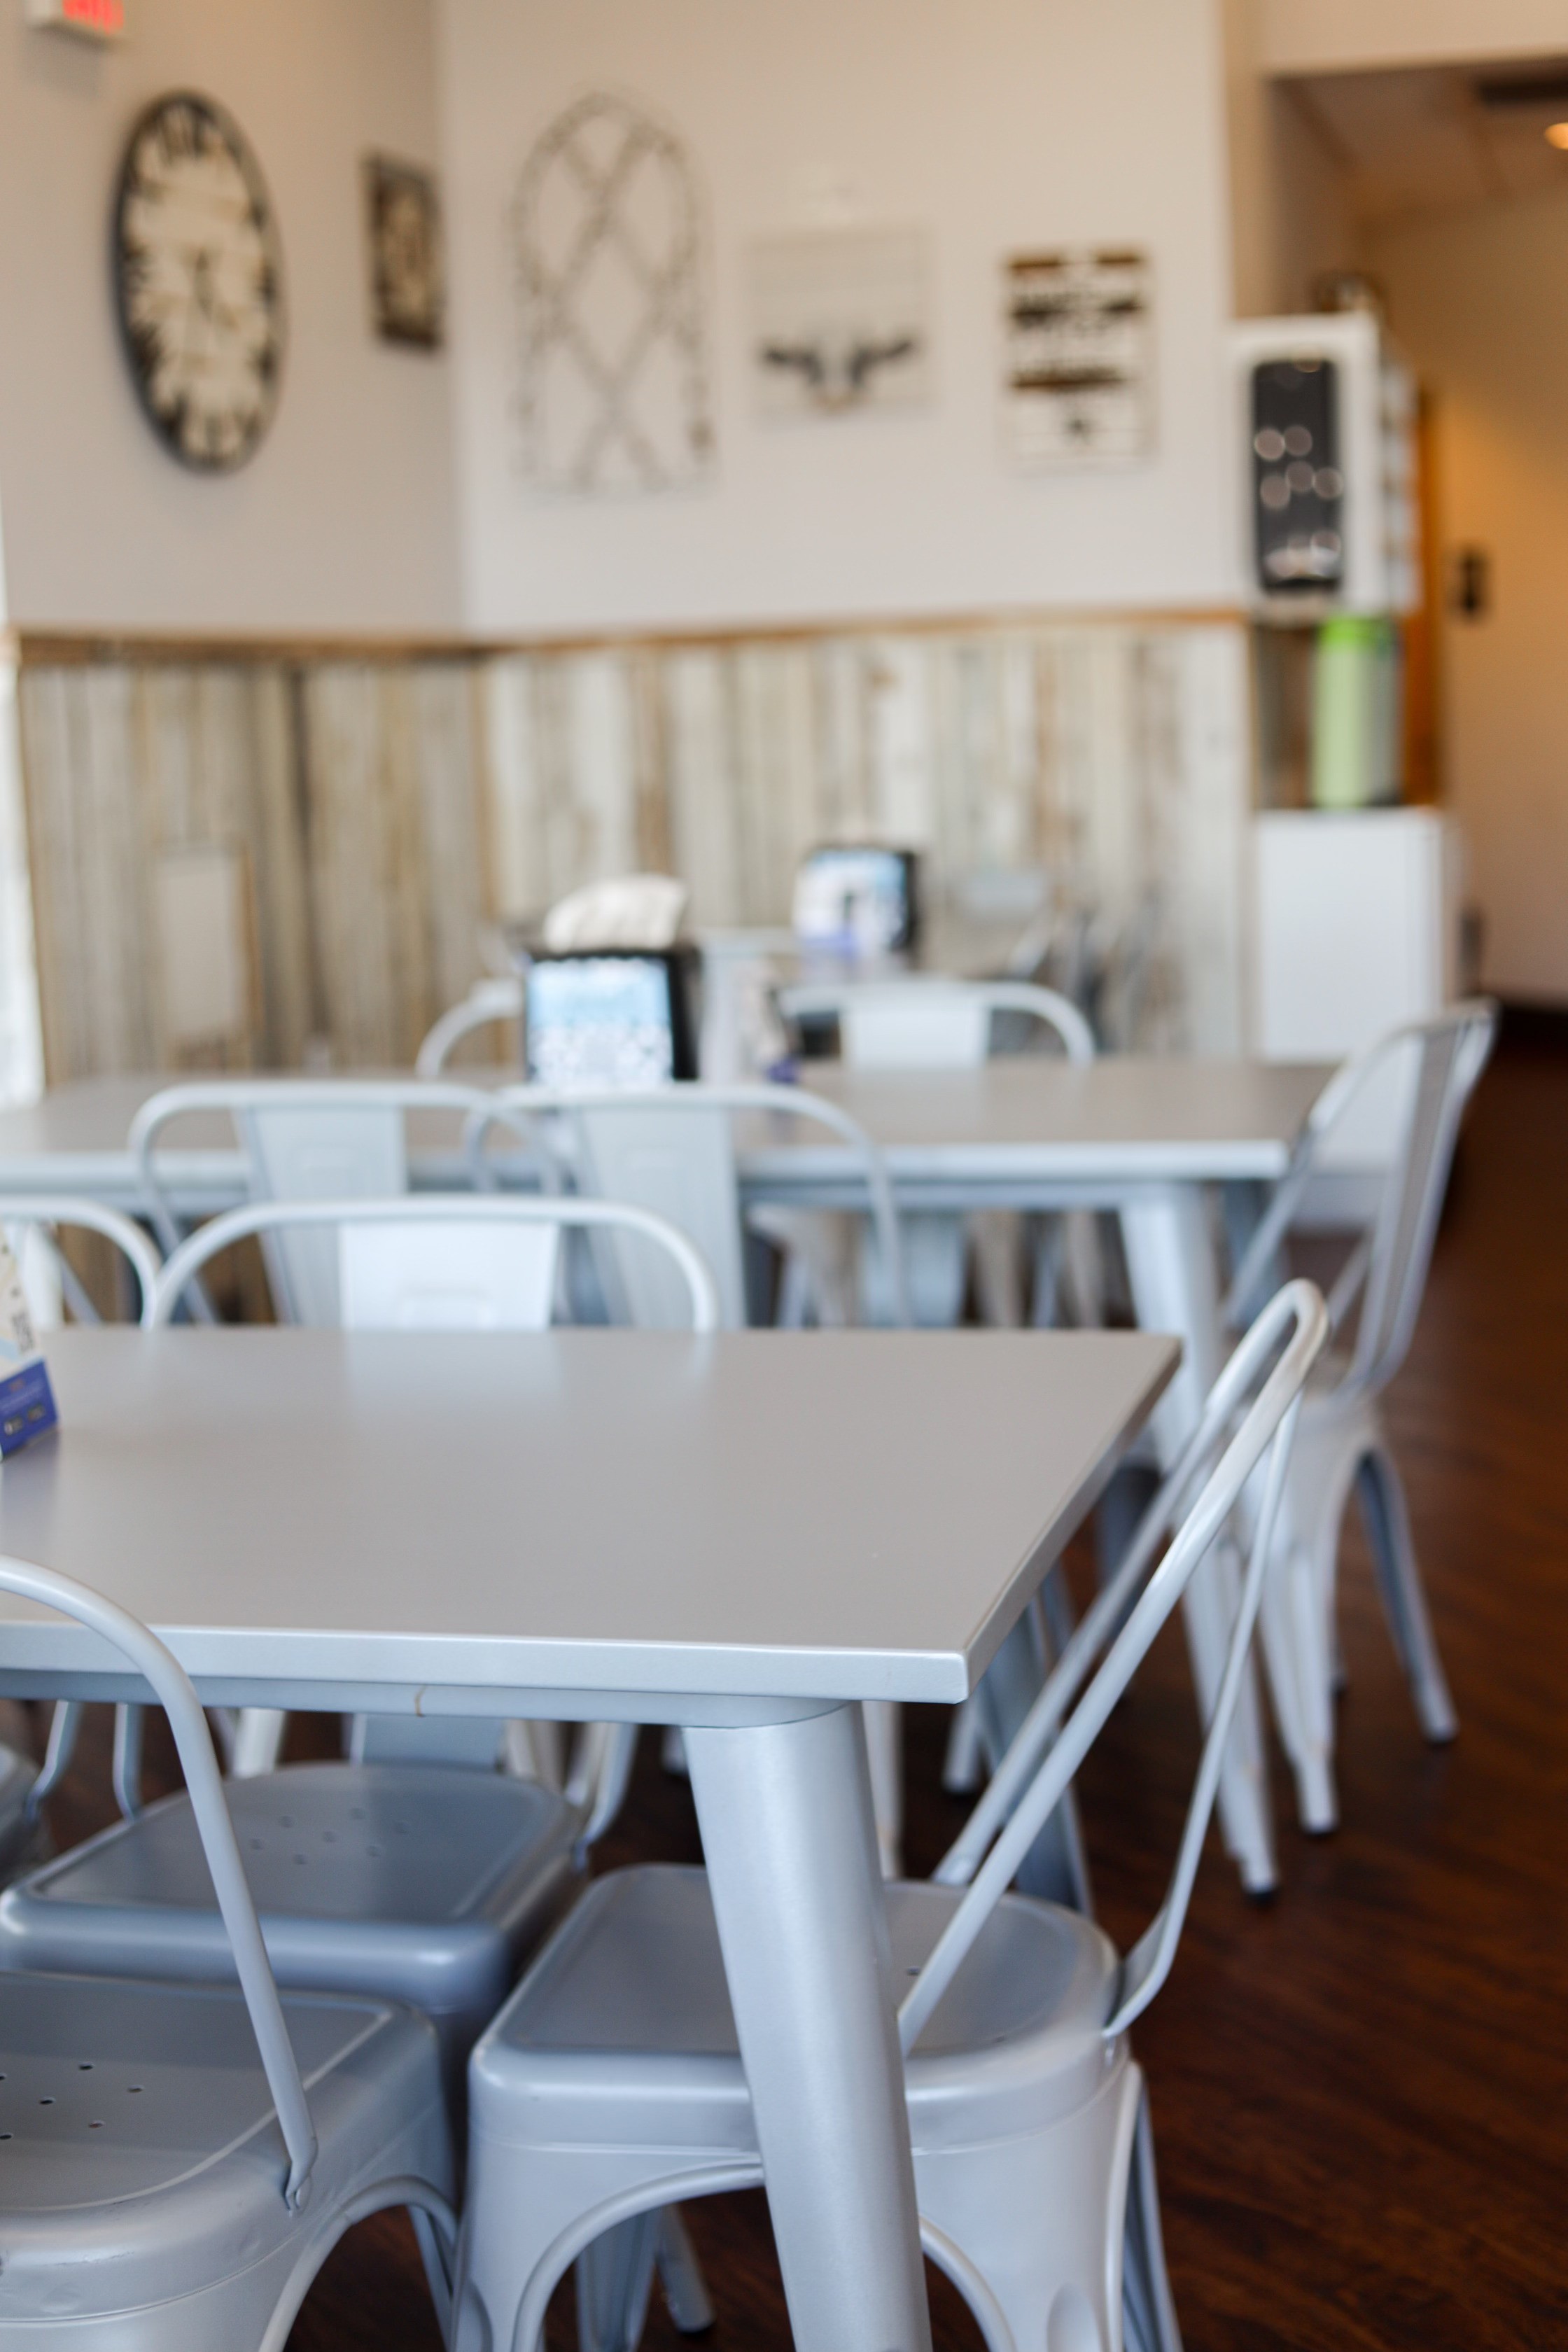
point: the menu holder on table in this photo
(27, 1400)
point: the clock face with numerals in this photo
(198, 279)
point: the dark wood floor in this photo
(1360, 2092)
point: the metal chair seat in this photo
(141, 2155)
(418, 1883)
(630, 1992)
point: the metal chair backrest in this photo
(172, 1688)
(1439, 1061)
(304, 1140)
(1261, 1385)
(930, 1024)
(48, 1211)
(672, 1149)
(471, 1262)
(488, 1002)
(466, 1262)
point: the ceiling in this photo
(1429, 138)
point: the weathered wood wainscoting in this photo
(373, 809)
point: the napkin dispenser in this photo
(27, 1400)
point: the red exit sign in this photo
(95, 20)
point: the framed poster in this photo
(403, 231)
(840, 321)
(1078, 359)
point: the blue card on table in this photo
(27, 1400)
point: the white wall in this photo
(1002, 124)
(344, 519)
(1335, 36)
(1290, 192)
(1480, 299)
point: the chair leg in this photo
(1083, 1269)
(535, 1751)
(795, 1294)
(257, 1741)
(127, 1764)
(885, 1754)
(1308, 1607)
(965, 1763)
(615, 2276)
(1281, 1664)
(997, 1242)
(1046, 1304)
(1385, 1515)
(1032, 2228)
(680, 2275)
(436, 2258)
(1055, 1868)
(1148, 2314)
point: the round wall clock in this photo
(198, 282)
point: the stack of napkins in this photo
(634, 911)
(27, 1400)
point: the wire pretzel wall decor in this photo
(614, 392)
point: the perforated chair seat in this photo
(626, 2010)
(142, 2163)
(421, 1883)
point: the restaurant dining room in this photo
(783, 1091)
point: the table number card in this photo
(27, 1400)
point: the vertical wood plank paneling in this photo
(700, 723)
(387, 811)
(292, 1012)
(1210, 873)
(904, 787)
(515, 827)
(351, 853)
(775, 790)
(603, 768)
(116, 945)
(451, 890)
(650, 761)
(845, 803)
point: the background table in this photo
(1145, 1138)
(739, 1533)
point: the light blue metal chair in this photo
(302, 1139)
(1342, 1447)
(925, 1021)
(672, 1149)
(612, 2081)
(177, 2160)
(404, 1871)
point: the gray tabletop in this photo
(74, 1139)
(1125, 1119)
(1142, 1117)
(800, 1516)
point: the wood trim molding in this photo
(29, 649)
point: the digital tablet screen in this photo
(601, 1020)
(855, 901)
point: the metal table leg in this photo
(1171, 1266)
(785, 1815)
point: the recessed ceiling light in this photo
(1557, 133)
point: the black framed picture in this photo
(403, 227)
